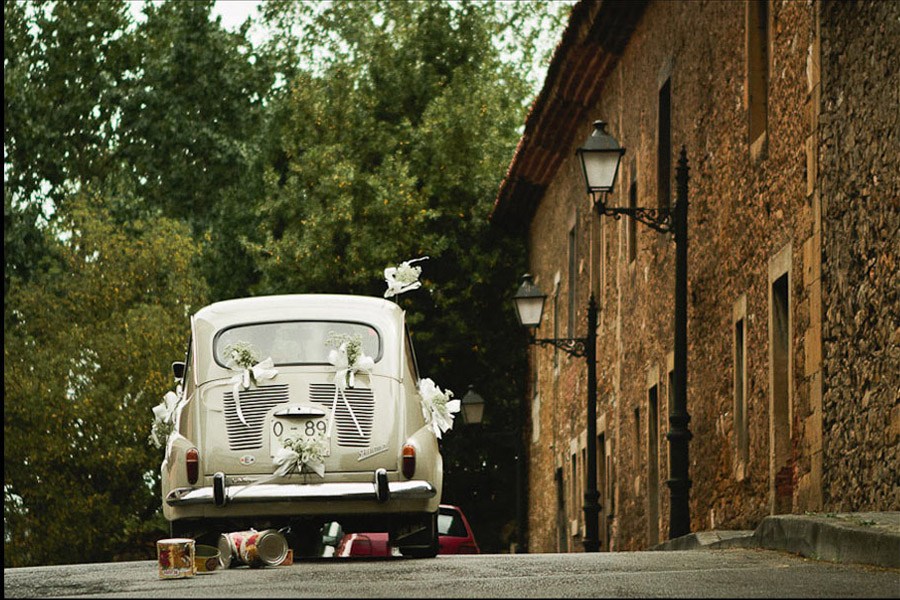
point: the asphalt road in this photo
(691, 573)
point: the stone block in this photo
(812, 346)
(894, 429)
(815, 304)
(815, 398)
(812, 257)
(812, 433)
(811, 164)
(807, 261)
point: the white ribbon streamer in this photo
(247, 378)
(437, 408)
(403, 278)
(344, 377)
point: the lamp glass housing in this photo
(600, 169)
(529, 302)
(600, 157)
(472, 407)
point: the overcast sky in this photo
(233, 12)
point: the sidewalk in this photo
(871, 538)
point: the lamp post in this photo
(600, 157)
(472, 414)
(529, 303)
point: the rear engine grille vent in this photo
(361, 400)
(255, 404)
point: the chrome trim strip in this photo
(298, 492)
(300, 411)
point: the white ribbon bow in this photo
(403, 278)
(437, 408)
(247, 378)
(163, 418)
(288, 460)
(344, 377)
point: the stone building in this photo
(789, 115)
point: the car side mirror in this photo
(178, 370)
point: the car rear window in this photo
(296, 342)
(449, 523)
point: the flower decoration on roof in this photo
(244, 358)
(403, 277)
(437, 407)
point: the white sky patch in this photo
(232, 12)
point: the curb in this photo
(865, 538)
(709, 539)
(844, 538)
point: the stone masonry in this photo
(793, 248)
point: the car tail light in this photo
(409, 461)
(192, 462)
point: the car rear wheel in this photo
(429, 538)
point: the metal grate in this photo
(361, 400)
(255, 404)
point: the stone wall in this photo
(859, 168)
(816, 200)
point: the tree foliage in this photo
(153, 165)
(87, 349)
(393, 148)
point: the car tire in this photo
(305, 539)
(428, 551)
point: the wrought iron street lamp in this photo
(472, 407)
(529, 303)
(600, 156)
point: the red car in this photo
(454, 533)
(363, 544)
(454, 537)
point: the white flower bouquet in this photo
(437, 407)
(403, 277)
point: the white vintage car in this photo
(382, 465)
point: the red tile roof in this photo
(591, 43)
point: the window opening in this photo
(757, 67)
(664, 146)
(653, 466)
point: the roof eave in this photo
(594, 38)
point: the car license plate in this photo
(285, 429)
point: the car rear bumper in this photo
(295, 492)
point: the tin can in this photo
(266, 548)
(175, 557)
(288, 559)
(229, 547)
(206, 559)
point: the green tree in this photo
(191, 131)
(392, 146)
(87, 348)
(139, 154)
(63, 64)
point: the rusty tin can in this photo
(175, 557)
(267, 548)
